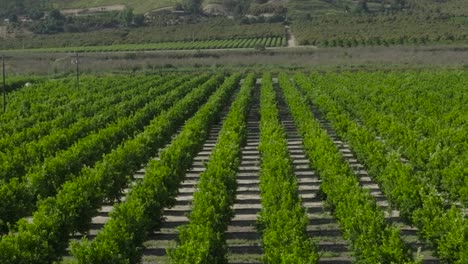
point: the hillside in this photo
(137, 5)
(24, 7)
(317, 7)
(296, 8)
(321, 23)
(44, 5)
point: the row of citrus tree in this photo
(203, 239)
(439, 221)
(18, 157)
(45, 238)
(21, 194)
(424, 116)
(283, 220)
(59, 101)
(363, 223)
(122, 237)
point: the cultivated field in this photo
(239, 168)
(259, 43)
(215, 33)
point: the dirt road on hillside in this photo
(291, 38)
(97, 9)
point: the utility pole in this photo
(77, 62)
(4, 84)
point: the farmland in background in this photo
(318, 23)
(241, 43)
(211, 30)
(378, 23)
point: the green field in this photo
(240, 166)
(331, 132)
(241, 43)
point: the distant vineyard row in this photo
(195, 45)
(350, 31)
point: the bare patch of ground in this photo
(91, 10)
(3, 31)
(215, 9)
(327, 59)
(167, 8)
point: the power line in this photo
(4, 84)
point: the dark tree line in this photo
(53, 21)
(32, 8)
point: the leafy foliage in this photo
(77, 202)
(398, 29)
(283, 220)
(46, 179)
(203, 239)
(122, 236)
(362, 221)
(440, 223)
(67, 150)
